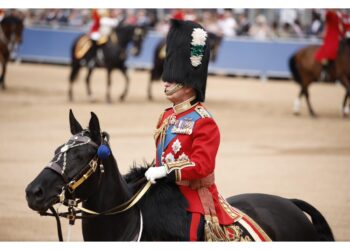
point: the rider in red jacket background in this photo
(327, 53)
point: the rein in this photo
(71, 215)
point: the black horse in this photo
(11, 29)
(159, 56)
(110, 55)
(306, 70)
(77, 172)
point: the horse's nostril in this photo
(38, 192)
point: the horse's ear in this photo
(94, 127)
(75, 126)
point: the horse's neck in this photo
(113, 189)
(124, 38)
(3, 35)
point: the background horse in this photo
(113, 55)
(162, 210)
(11, 29)
(305, 70)
(159, 56)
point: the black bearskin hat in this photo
(187, 56)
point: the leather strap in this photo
(199, 183)
(57, 168)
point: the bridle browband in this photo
(70, 186)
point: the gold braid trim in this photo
(179, 165)
(213, 231)
(261, 231)
(162, 128)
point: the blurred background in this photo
(267, 145)
(273, 34)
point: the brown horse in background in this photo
(305, 70)
(11, 29)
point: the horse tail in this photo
(294, 70)
(319, 222)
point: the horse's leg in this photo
(73, 76)
(88, 86)
(297, 103)
(345, 109)
(109, 81)
(3, 73)
(127, 81)
(149, 89)
(306, 93)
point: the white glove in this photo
(154, 173)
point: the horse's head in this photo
(74, 170)
(12, 28)
(138, 37)
(214, 45)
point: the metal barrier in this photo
(239, 56)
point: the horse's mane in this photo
(137, 172)
(163, 206)
(124, 34)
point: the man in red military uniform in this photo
(327, 53)
(187, 137)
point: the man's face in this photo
(178, 96)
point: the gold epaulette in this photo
(202, 112)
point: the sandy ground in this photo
(264, 148)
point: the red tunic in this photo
(95, 21)
(191, 152)
(329, 49)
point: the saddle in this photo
(84, 44)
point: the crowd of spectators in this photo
(258, 24)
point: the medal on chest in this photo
(184, 126)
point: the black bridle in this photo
(71, 185)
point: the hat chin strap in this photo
(174, 89)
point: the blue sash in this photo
(169, 136)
